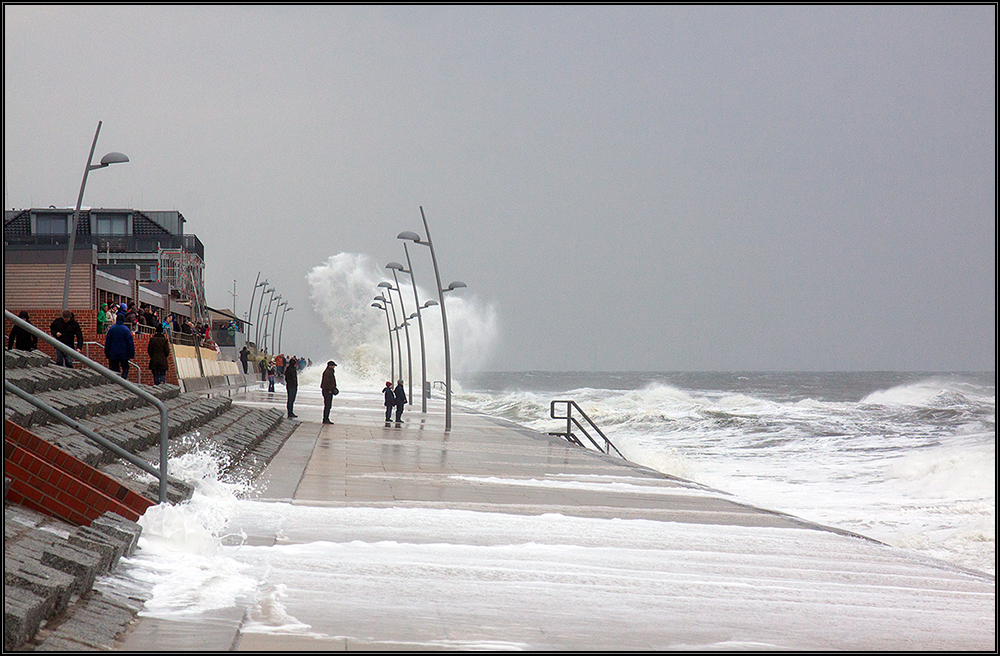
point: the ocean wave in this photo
(935, 393)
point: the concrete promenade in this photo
(492, 536)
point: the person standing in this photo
(66, 330)
(244, 355)
(131, 315)
(102, 319)
(291, 386)
(119, 345)
(159, 354)
(400, 397)
(20, 338)
(329, 388)
(390, 400)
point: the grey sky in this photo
(637, 188)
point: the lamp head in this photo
(113, 158)
(409, 236)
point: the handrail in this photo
(572, 421)
(131, 364)
(73, 423)
(118, 380)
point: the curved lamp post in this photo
(260, 306)
(424, 392)
(267, 318)
(392, 361)
(274, 327)
(107, 160)
(252, 292)
(395, 326)
(415, 238)
(396, 266)
(287, 309)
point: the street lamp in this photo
(395, 329)
(388, 325)
(260, 306)
(252, 292)
(267, 316)
(396, 266)
(415, 238)
(424, 391)
(275, 325)
(287, 309)
(110, 158)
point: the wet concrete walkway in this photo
(475, 539)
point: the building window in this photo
(51, 224)
(112, 224)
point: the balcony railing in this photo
(115, 244)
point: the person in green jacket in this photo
(102, 319)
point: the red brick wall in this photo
(52, 481)
(43, 318)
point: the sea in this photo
(908, 459)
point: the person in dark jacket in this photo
(119, 345)
(20, 338)
(291, 386)
(159, 355)
(390, 400)
(400, 396)
(329, 388)
(67, 331)
(244, 357)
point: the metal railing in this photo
(161, 474)
(572, 421)
(138, 376)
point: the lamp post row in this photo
(282, 305)
(118, 158)
(396, 267)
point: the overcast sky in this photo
(626, 188)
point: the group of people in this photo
(394, 398)
(328, 386)
(119, 348)
(64, 328)
(147, 316)
(119, 343)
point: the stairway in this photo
(52, 471)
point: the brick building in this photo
(121, 255)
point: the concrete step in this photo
(49, 563)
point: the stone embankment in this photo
(54, 558)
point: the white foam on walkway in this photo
(502, 581)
